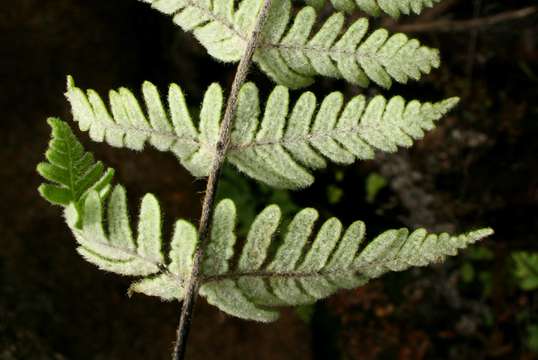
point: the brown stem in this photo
(204, 227)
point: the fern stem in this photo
(208, 206)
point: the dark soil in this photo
(479, 168)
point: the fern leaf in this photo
(278, 149)
(296, 272)
(127, 125)
(125, 256)
(393, 8)
(292, 54)
(72, 172)
(84, 187)
(526, 269)
(168, 285)
(299, 272)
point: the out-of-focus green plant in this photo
(470, 270)
(532, 337)
(374, 184)
(526, 270)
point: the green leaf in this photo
(302, 267)
(467, 272)
(291, 53)
(374, 183)
(101, 223)
(299, 272)
(278, 146)
(526, 269)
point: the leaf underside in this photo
(268, 272)
(279, 146)
(292, 53)
(526, 269)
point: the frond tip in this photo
(279, 146)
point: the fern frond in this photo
(300, 271)
(292, 54)
(278, 149)
(393, 8)
(73, 172)
(297, 272)
(128, 125)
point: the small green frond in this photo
(291, 53)
(301, 272)
(278, 149)
(393, 8)
(73, 173)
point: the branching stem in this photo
(208, 206)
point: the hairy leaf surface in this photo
(310, 265)
(278, 147)
(302, 267)
(292, 53)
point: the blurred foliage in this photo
(532, 337)
(374, 184)
(334, 194)
(526, 270)
(476, 270)
(251, 197)
(305, 312)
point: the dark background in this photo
(478, 168)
